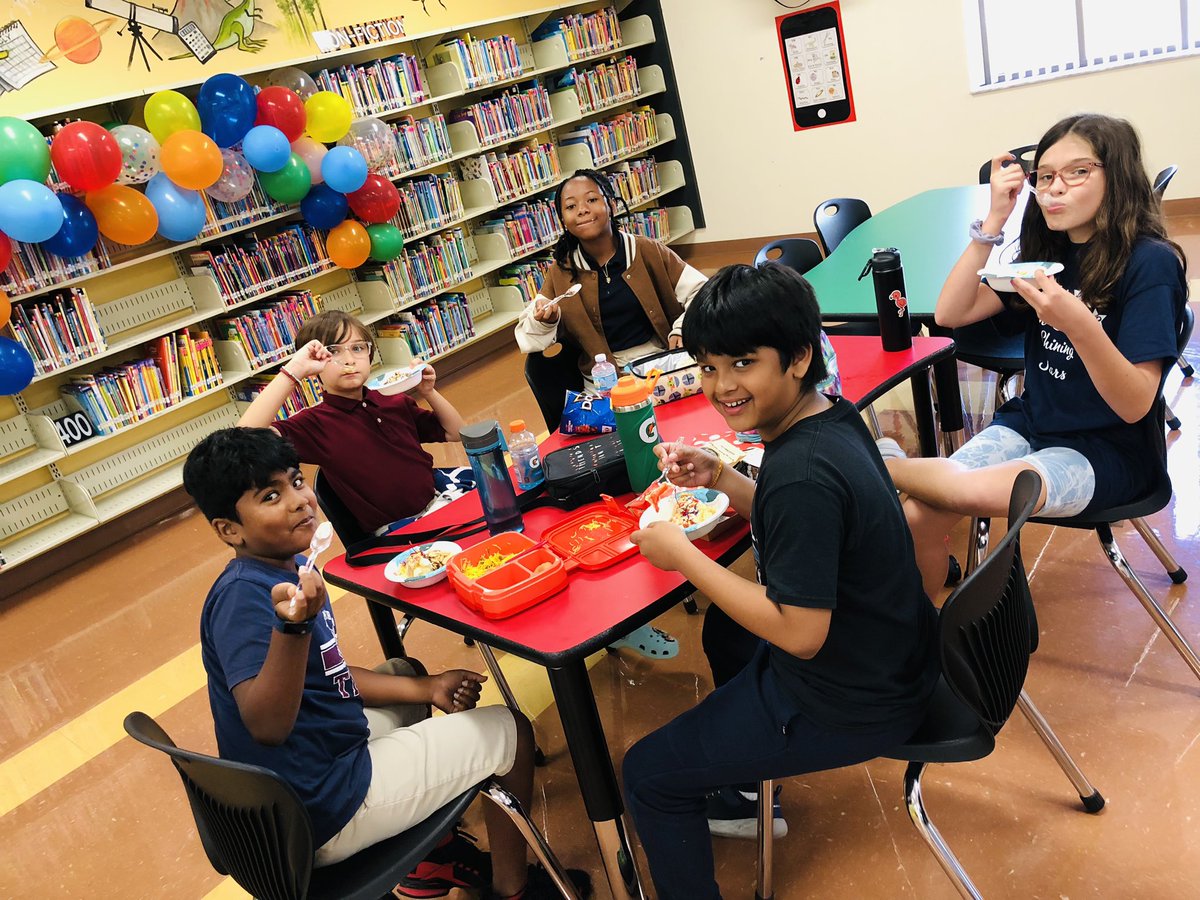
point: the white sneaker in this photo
(733, 813)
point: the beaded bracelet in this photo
(982, 237)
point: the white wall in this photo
(917, 125)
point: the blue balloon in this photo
(344, 169)
(181, 212)
(16, 366)
(323, 207)
(78, 233)
(266, 148)
(227, 108)
(29, 211)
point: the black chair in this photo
(800, 254)
(1162, 179)
(390, 633)
(836, 218)
(255, 829)
(1101, 521)
(1024, 157)
(987, 631)
(550, 377)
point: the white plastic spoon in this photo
(320, 542)
(569, 292)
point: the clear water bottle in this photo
(485, 448)
(604, 375)
(525, 456)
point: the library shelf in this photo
(65, 503)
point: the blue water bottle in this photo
(497, 495)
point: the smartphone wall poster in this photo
(814, 58)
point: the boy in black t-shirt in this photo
(849, 657)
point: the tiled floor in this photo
(88, 813)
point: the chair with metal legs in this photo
(987, 632)
(390, 632)
(254, 828)
(1101, 521)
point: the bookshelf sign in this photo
(360, 34)
(74, 429)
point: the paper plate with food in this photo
(397, 381)
(696, 510)
(999, 276)
(421, 566)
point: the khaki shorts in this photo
(419, 764)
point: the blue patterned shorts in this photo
(1069, 478)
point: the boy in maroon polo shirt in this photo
(367, 444)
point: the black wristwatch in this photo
(283, 626)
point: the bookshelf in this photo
(52, 491)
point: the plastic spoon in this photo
(320, 542)
(569, 292)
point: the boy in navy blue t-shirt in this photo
(354, 743)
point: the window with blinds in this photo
(1021, 41)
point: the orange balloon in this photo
(191, 159)
(5, 309)
(348, 244)
(123, 214)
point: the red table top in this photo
(598, 607)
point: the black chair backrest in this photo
(550, 377)
(800, 254)
(251, 822)
(838, 217)
(986, 624)
(339, 515)
(1024, 157)
(1162, 179)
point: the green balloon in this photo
(290, 184)
(24, 153)
(110, 125)
(386, 241)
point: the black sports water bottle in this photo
(895, 327)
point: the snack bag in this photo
(586, 413)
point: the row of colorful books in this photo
(583, 34)
(181, 365)
(651, 223)
(429, 202)
(616, 137)
(32, 268)
(307, 394)
(480, 62)
(636, 180)
(419, 143)
(268, 334)
(521, 171)
(517, 111)
(426, 267)
(603, 85)
(434, 328)
(58, 331)
(259, 264)
(525, 226)
(381, 86)
(526, 277)
(223, 216)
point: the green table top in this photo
(930, 231)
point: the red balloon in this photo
(5, 251)
(376, 201)
(282, 108)
(86, 156)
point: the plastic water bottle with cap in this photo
(525, 456)
(497, 496)
(604, 375)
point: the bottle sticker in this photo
(901, 303)
(648, 431)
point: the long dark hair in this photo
(1129, 209)
(568, 243)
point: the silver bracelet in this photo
(981, 237)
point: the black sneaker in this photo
(734, 813)
(455, 863)
(540, 885)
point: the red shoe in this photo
(455, 863)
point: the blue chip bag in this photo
(586, 413)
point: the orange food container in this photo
(593, 538)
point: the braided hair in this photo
(568, 243)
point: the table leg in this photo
(594, 771)
(945, 381)
(923, 411)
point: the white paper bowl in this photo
(393, 570)
(1000, 277)
(666, 508)
(397, 381)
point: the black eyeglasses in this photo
(1072, 176)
